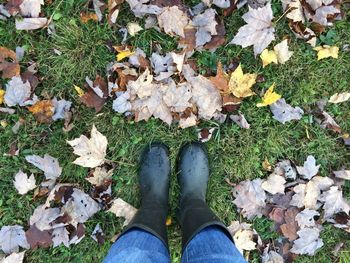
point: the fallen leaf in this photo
(79, 90)
(342, 174)
(37, 238)
(334, 202)
(43, 218)
(31, 23)
(205, 134)
(326, 52)
(76, 234)
(23, 183)
(133, 28)
(97, 94)
(80, 207)
(244, 236)
(173, 21)
(113, 10)
(240, 84)
(122, 209)
(99, 7)
(9, 68)
(85, 17)
(60, 235)
(240, 120)
(308, 242)
(99, 176)
(221, 80)
(31, 8)
(271, 256)
(282, 52)
(274, 184)
(306, 218)
(270, 97)
(259, 30)
(326, 121)
(266, 165)
(290, 228)
(283, 112)
(124, 54)
(205, 24)
(43, 111)
(48, 164)
(98, 235)
(310, 169)
(338, 97)
(14, 258)
(17, 92)
(268, 57)
(11, 238)
(250, 197)
(2, 93)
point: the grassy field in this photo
(235, 154)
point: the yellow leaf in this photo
(2, 94)
(79, 90)
(326, 52)
(266, 165)
(240, 84)
(3, 123)
(168, 221)
(268, 57)
(124, 54)
(270, 97)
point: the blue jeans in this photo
(210, 245)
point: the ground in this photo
(235, 154)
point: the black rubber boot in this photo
(154, 187)
(193, 175)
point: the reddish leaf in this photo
(91, 99)
(37, 238)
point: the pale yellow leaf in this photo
(336, 98)
(79, 90)
(326, 52)
(282, 52)
(240, 84)
(268, 57)
(133, 28)
(124, 54)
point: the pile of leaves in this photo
(299, 201)
(60, 219)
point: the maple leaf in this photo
(290, 228)
(334, 202)
(96, 95)
(31, 8)
(177, 98)
(60, 235)
(326, 52)
(205, 24)
(92, 151)
(274, 184)
(48, 164)
(122, 209)
(309, 169)
(283, 112)
(133, 28)
(270, 97)
(122, 104)
(37, 238)
(173, 21)
(306, 218)
(268, 57)
(11, 238)
(9, 68)
(259, 30)
(17, 92)
(240, 84)
(100, 176)
(308, 242)
(43, 110)
(43, 218)
(338, 97)
(14, 258)
(31, 23)
(250, 197)
(80, 207)
(2, 93)
(244, 236)
(23, 183)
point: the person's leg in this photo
(203, 233)
(211, 245)
(148, 228)
(138, 245)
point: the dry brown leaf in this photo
(37, 238)
(91, 99)
(85, 17)
(290, 228)
(43, 111)
(8, 63)
(173, 21)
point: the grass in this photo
(234, 153)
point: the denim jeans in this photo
(209, 245)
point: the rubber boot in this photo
(193, 174)
(154, 174)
